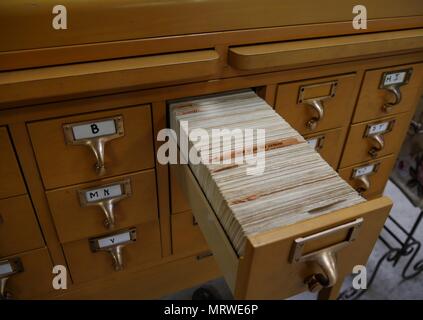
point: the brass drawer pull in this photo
(105, 197)
(379, 144)
(392, 81)
(364, 184)
(325, 258)
(387, 106)
(95, 134)
(361, 174)
(375, 133)
(8, 268)
(317, 105)
(114, 244)
(308, 96)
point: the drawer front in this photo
(66, 148)
(370, 177)
(19, 229)
(378, 96)
(186, 234)
(87, 263)
(178, 200)
(329, 144)
(299, 103)
(347, 240)
(374, 139)
(11, 182)
(35, 277)
(112, 204)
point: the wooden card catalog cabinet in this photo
(80, 113)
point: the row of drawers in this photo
(299, 102)
(106, 217)
(68, 153)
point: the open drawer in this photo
(290, 249)
(268, 269)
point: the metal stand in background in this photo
(397, 250)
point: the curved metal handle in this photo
(3, 293)
(317, 105)
(379, 144)
(396, 91)
(365, 183)
(97, 147)
(116, 253)
(108, 208)
(327, 262)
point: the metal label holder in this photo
(107, 205)
(377, 139)
(394, 88)
(316, 102)
(114, 250)
(96, 144)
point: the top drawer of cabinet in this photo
(317, 104)
(389, 91)
(11, 182)
(86, 147)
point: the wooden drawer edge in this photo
(106, 75)
(315, 50)
(224, 253)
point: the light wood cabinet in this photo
(62, 95)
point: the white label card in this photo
(313, 142)
(103, 193)
(378, 128)
(5, 268)
(364, 170)
(94, 129)
(114, 240)
(394, 78)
